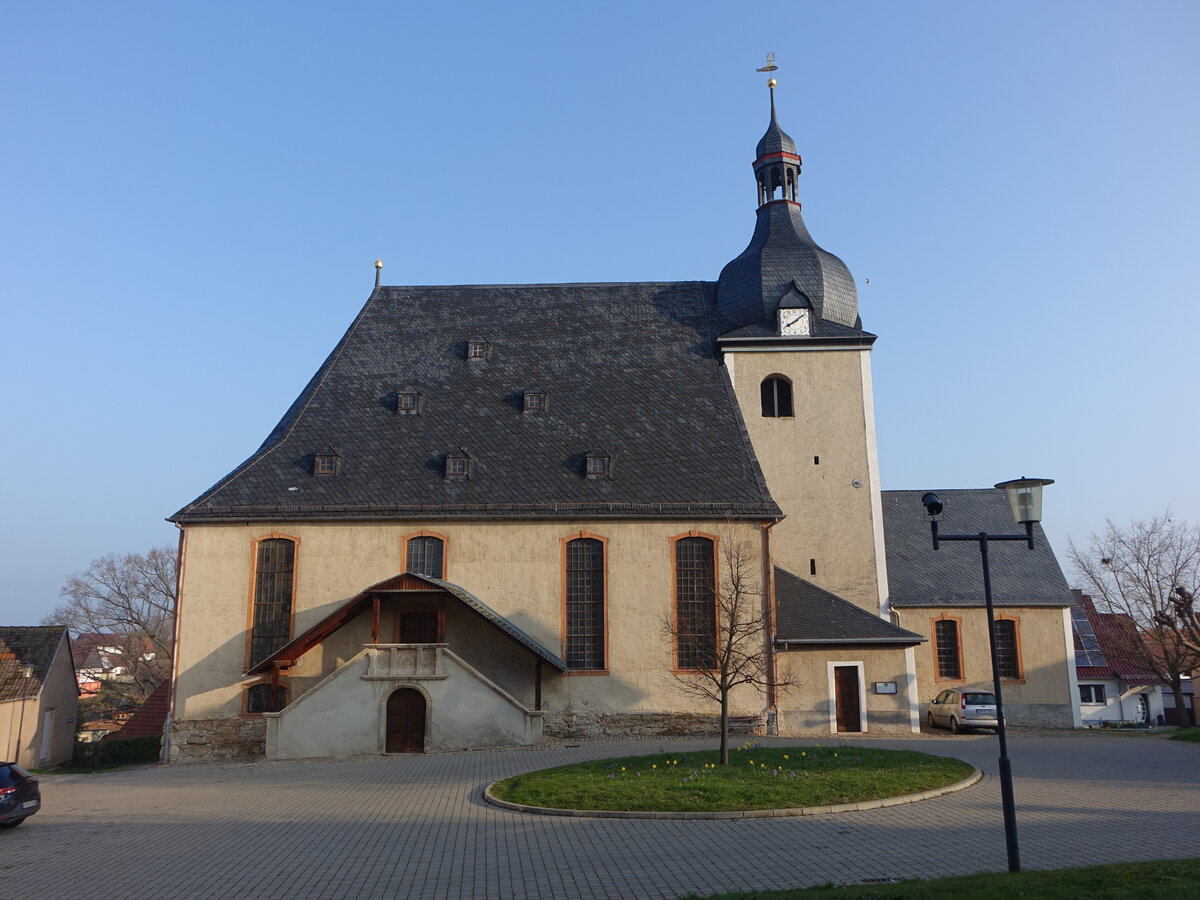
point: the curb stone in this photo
(825, 809)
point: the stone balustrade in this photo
(405, 662)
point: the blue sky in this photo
(194, 195)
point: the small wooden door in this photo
(845, 691)
(406, 722)
(419, 628)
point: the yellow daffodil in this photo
(785, 756)
(653, 765)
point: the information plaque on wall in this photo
(885, 687)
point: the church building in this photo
(504, 513)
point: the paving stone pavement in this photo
(417, 826)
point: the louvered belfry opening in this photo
(695, 604)
(585, 604)
(273, 575)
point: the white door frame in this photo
(862, 695)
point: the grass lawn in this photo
(1175, 878)
(1187, 734)
(756, 778)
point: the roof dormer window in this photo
(408, 402)
(327, 462)
(458, 465)
(535, 401)
(477, 350)
(597, 465)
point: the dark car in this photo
(19, 795)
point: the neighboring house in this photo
(498, 513)
(940, 594)
(105, 657)
(147, 720)
(1170, 713)
(38, 693)
(1115, 685)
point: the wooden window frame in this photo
(962, 659)
(254, 543)
(675, 667)
(776, 405)
(325, 464)
(1016, 621)
(282, 685)
(425, 533)
(575, 536)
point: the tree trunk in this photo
(1186, 716)
(724, 726)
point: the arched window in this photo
(425, 555)
(1008, 654)
(776, 397)
(947, 650)
(274, 575)
(695, 603)
(584, 577)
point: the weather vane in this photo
(769, 67)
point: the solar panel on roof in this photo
(1087, 647)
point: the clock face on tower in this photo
(793, 321)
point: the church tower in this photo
(799, 362)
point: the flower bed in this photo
(756, 778)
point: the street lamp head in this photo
(1025, 497)
(933, 505)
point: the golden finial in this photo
(770, 82)
(378, 269)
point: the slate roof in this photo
(629, 367)
(776, 140)
(919, 576)
(26, 645)
(807, 614)
(780, 252)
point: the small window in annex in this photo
(1092, 694)
(584, 578)
(695, 603)
(274, 569)
(262, 698)
(1008, 661)
(949, 660)
(776, 397)
(425, 555)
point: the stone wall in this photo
(590, 723)
(206, 740)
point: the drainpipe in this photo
(165, 756)
(768, 589)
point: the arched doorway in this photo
(406, 721)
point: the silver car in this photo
(957, 710)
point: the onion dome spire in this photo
(782, 256)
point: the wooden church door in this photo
(845, 691)
(406, 721)
(419, 628)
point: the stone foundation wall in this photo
(592, 723)
(1041, 715)
(206, 740)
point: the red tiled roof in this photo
(148, 719)
(1121, 643)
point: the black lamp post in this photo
(1025, 495)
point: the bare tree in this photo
(1139, 571)
(129, 599)
(1183, 606)
(739, 654)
